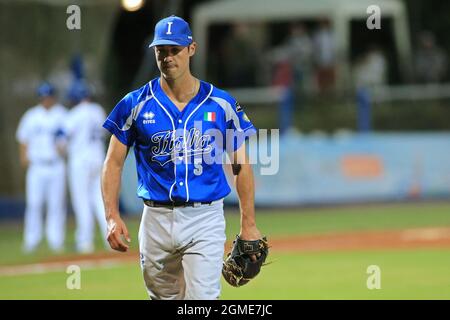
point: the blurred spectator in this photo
(302, 51)
(86, 154)
(292, 72)
(293, 59)
(430, 61)
(239, 57)
(325, 56)
(371, 68)
(41, 151)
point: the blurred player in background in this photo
(41, 147)
(86, 153)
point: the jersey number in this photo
(169, 26)
(198, 168)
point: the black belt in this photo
(174, 204)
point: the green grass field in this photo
(405, 274)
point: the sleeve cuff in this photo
(116, 132)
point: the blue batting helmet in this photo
(45, 89)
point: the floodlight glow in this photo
(132, 5)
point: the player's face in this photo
(48, 101)
(173, 61)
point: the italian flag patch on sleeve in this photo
(209, 116)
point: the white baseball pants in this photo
(45, 184)
(87, 203)
(181, 251)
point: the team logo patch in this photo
(148, 116)
(238, 107)
(209, 116)
(166, 146)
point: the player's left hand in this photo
(239, 268)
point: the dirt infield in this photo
(403, 239)
(396, 239)
(370, 240)
(373, 240)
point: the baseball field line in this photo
(46, 267)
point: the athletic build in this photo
(179, 127)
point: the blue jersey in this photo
(179, 153)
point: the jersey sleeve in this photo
(120, 121)
(239, 126)
(23, 130)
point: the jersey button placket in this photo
(180, 121)
(181, 169)
(178, 162)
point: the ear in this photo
(191, 49)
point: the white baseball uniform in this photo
(86, 152)
(39, 129)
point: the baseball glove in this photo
(238, 269)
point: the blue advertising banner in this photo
(320, 169)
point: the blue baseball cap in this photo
(78, 91)
(45, 89)
(173, 31)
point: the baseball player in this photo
(39, 136)
(86, 153)
(177, 124)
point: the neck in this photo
(47, 104)
(181, 89)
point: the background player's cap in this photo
(78, 91)
(172, 30)
(45, 89)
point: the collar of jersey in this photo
(171, 107)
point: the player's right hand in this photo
(117, 229)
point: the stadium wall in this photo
(346, 168)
